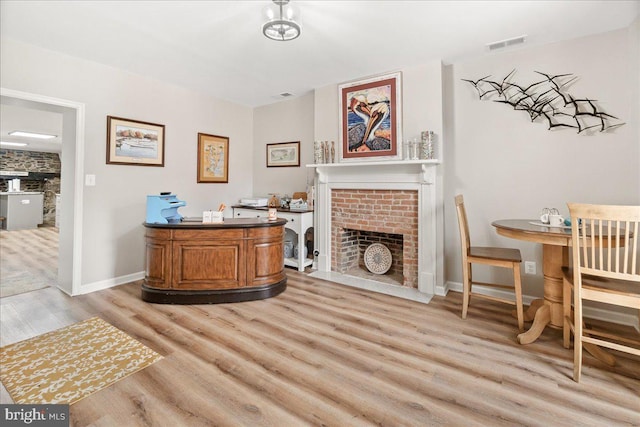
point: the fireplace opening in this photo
(383, 215)
(350, 257)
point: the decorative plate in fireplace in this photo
(377, 258)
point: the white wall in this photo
(508, 167)
(285, 121)
(114, 210)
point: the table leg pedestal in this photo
(541, 318)
(530, 314)
(547, 311)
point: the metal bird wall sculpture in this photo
(547, 100)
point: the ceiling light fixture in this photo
(281, 27)
(15, 144)
(32, 134)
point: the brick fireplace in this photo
(361, 217)
(393, 203)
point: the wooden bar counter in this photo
(195, 263)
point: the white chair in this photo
(606, 269)
(496, 257)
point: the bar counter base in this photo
(211, 296)
(241, 259)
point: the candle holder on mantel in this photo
(412, 150)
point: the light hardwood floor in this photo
(28, 260)
(326, 354)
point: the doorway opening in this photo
(72, 165)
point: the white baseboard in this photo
(589, 312)
(110, 283)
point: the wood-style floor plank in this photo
(326, 354)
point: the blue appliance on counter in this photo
(163, 209)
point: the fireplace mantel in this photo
(374, 163)
(414, 175)
(399, 170)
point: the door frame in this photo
(73, 234)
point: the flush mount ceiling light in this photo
(13, 144)
(31, 134)
(281, 27)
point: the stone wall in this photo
(34, 161)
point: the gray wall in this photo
(508, 167)
(286, 121)
(113, 210)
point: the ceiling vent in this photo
(286, 94)
(506, 43)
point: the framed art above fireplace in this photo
(370, 112)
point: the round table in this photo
(555, 254)
(555, 242)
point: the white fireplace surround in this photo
(418, 175)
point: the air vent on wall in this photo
(506, 43)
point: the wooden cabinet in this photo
(239, 260)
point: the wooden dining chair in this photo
(606, 270)
(496, 257)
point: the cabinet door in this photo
(265, 256)
(208, 264)
(158, 263)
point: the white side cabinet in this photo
(297, 221)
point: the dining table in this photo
(547, 311)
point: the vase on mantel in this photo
(411, 150)
(427, 149)
(318, 152)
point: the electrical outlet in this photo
(529, 267)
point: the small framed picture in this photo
(283, 154)
(213, 158)
(131, 142)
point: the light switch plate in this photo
(89, 180)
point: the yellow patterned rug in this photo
(69, 364)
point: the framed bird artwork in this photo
(370, 112)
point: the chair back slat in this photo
(634, 247)
(607, 239)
